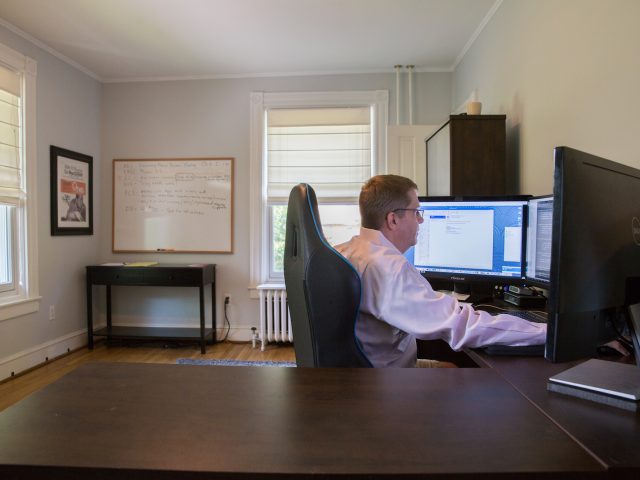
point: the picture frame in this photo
(71, 192)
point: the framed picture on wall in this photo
(71, 192)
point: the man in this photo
(398, 304)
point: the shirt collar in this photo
(377, 237)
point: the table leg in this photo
(108, 313)
(89, 314)
(202, 338)
(213, 312)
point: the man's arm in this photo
(405, 299)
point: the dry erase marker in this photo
(165, 250)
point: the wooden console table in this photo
(160, 275)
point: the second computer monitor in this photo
(471, 240)
(538, 241)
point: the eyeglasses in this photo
(418, 213)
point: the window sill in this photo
(12, 308)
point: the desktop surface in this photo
(177, 421)
(611, 433)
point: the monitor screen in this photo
(595, 252)
(538, 241)
(468, 240)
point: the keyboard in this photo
(526, 350)
(530, 315)
(520, 351)
(536, 316)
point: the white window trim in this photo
(27, 299)
(259, 103)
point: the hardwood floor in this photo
(14, 389)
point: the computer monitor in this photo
(538, 241)
(595, 253)
(467, 240)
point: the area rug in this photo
(233, 363)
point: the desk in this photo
(611, 434)
(114, 420)
(161, 275)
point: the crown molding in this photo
(476, 34)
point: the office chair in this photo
(323, 290)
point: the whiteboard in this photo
(173, 205)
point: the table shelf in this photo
(153, 333)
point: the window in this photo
(7, 249)
(18, 283)
(10, 174)
(334, 142)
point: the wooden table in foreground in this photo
(110, 420)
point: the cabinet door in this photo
(406, 152)
(439, 163)
(478, 155)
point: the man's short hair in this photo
(382, 194)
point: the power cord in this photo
(622, 338)
(226, 319)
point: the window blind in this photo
(10, 155)
(328, 148)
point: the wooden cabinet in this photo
(467, 156)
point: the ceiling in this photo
(128, 40)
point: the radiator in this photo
(275, 321)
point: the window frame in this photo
(260, 225)
(24, 297)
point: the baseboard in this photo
(32, 357)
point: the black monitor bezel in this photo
(577, 327)
(471, 279)
(536, 282)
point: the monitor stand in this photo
(465, 292)
(477, 293)
(462, 291)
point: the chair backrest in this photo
(323, 290)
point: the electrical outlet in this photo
(52, 312)
(227, 298)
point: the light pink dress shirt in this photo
(398, 305)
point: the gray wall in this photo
(68, 115)
(211, 118)
(152, 119)
(565, 73)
